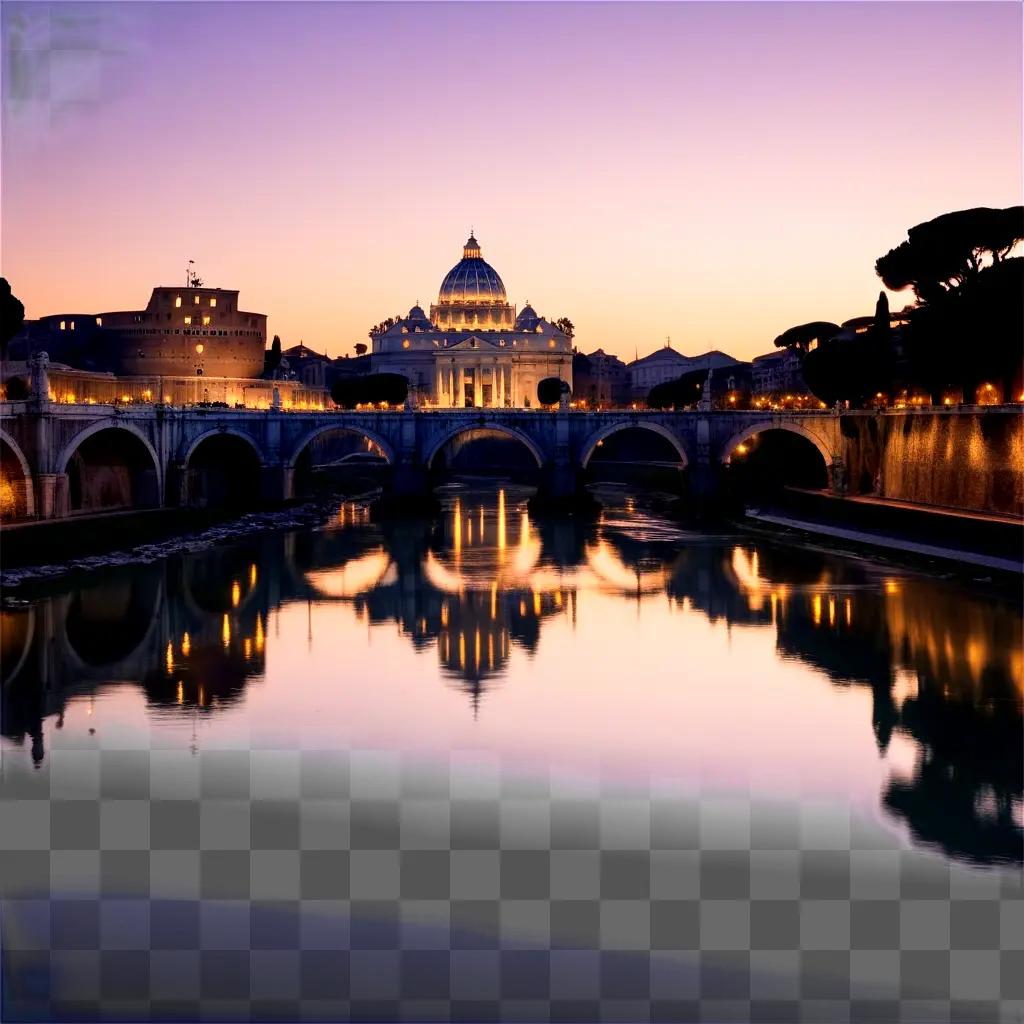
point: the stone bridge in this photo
(63, 459)
(58, 459)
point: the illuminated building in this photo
(473, 349)
(192, 331)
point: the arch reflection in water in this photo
(943, 667)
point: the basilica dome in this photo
(471, 280)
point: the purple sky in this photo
(713, 172)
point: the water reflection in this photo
(943, 668)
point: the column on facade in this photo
(460, 395)
(438, 388)
(499, 373)
(478, 385)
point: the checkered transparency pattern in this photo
(307, 885)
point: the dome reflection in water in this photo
(486, 683)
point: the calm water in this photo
(493, 768)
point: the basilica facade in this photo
(473, 350)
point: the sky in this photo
(709, 173)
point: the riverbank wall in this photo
(955, 458)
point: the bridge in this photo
(60, 459)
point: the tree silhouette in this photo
(566, 326)
(370, 389)
(550, 390)
(678, 393)
(272, 358)
(360, 348)
(803, 336)
(12, 314)
(967, 325)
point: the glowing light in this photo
(186, 645)
(247, 647)
(892, 587)
(501, 526)
(816, 609)
(252, 575)
(444, 613)
(848, 609)
(199, 348)
(741, 449)
(169, 657)
(259, 633)
(236, 594)
(225, 631)
(831, 610)
(181, 692)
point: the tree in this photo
(565, 325)
(804, 336)
(550, 390)
(679, 393)
(947, 252)
(370, 389)
(272, 358)
(12, 314)
(360, 348)
(966, 325)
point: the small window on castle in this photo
(195, 300)
(206, 320)
(177, 302)
(405, 343)
(62, 325)
(188, 319)
(551, 343)
(72, 325)
(213, 300)
(99, 321)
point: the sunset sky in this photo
(711, 172)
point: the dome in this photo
(471, 280)
(417, 318)
(527, 319)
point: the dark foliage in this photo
(566, 326)
(804, 335)
(12, 314)
(550, 390)
(946, 253)
(272, 357)
(371, 389)
(676, 394)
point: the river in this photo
(492, 768)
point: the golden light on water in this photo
(236, 594)
(225, 631)
(260, 639)
(186, 644)
(169, 657)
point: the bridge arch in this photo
(12, 503)
(222, 467)
(307, 439)
(484, 429)
(188, 449)
(730, 446)
(137, 482)
(595, 439)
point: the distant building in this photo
(473, 349)
(191, 331)
(600, 379)
(667, 364)
(778, 372)
(312, 368)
